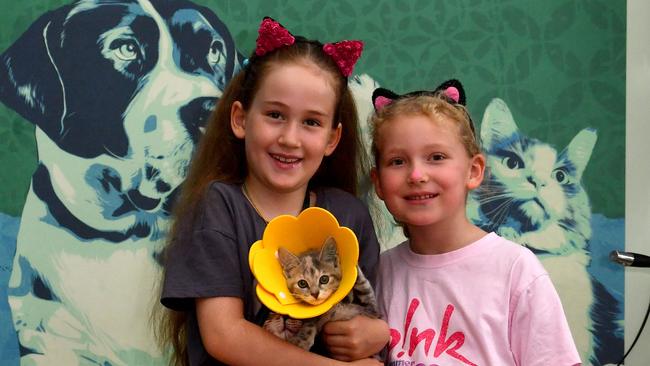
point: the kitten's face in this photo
(312, 276)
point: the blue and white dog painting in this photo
(118, 92)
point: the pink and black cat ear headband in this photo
(272, 35)
(451, 90)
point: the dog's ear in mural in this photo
(118, 93)
(534, 196)
(29, 79)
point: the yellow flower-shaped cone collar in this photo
(297, 234)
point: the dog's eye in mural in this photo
(125, 53)
(215, 56)
(127, 50)
(202, 47)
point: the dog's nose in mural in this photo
(119, 93)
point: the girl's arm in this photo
(357, 338)
(230, 338)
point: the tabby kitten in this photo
(312, 277)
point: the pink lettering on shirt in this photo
(450, 345)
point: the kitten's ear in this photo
(579, 149)
(288, 260)
(328, 252)
(382, 97)
(453, 90)
(497, 124)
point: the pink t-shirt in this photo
(490, 303)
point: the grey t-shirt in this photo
(211, 258)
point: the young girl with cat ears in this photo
(452, 293)
(283, 137)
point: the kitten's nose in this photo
(315, 294)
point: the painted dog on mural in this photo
(118, 92)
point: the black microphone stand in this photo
(633, 260)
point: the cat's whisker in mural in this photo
(496, 197)
(502, 211)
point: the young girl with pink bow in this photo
(284, 137)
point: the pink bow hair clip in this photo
(345, 54)
(272, 35)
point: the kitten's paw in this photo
(292, 325)
(282, 326)
(275, 325)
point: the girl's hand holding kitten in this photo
(355, 339)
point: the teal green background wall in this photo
(560, 66)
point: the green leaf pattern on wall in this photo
(560, 66)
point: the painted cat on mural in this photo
(533, 195)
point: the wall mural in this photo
(103, 103)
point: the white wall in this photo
(637, 177)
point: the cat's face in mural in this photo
(529, 184)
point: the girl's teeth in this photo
(422, 197)
(285, 160)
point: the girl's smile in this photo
(421, 198)
(286, 161)
(287, 130)
(423, 172)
